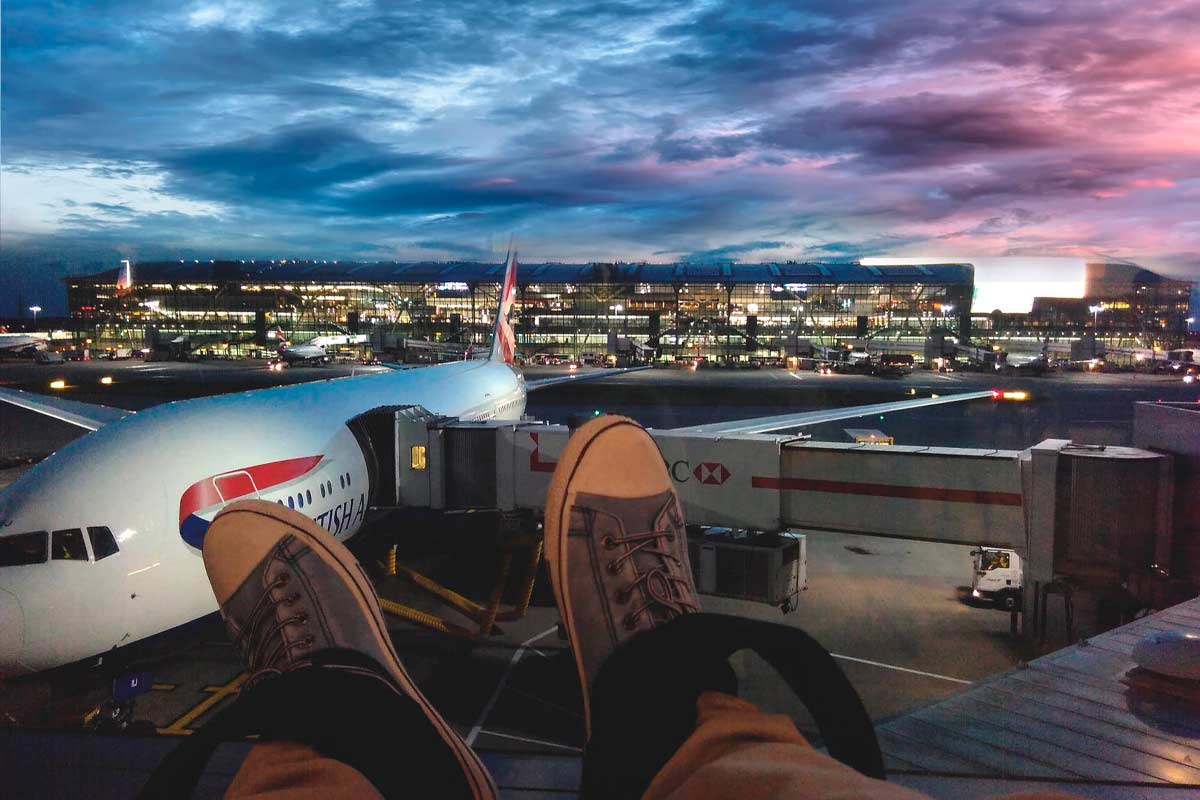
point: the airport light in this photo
(1096, 314)
(106, 380)
(58, 383)
(35, 310)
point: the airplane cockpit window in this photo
(24, 548)
(103, 543)
(67, 545)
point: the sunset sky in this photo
(660, 131)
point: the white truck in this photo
(997, 577)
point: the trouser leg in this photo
(299, 772)
(349, 714)
(738, 750)
(645, 701)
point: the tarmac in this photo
(893, 612)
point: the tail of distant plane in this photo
(504, 342)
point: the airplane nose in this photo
(12, 635)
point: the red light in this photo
(996, 394)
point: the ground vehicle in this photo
(75, 354)
(48, 357)
(997, 577)
(118, 354)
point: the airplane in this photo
(313, 351)
(100, 543)
(23, 343)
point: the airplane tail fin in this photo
(504, 341)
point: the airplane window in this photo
(347, 478)
(308, 496)
(67, 545)
(103, 543)
(300, 501)
(342, 481)
(24, 548)
(291, 503)
(330, 485)
(322, 490)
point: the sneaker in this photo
(289, 591)
(615, 542)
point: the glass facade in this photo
(667, 311)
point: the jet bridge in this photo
(1065, 509)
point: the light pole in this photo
(1096, 315)
(35, 310)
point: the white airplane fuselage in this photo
(156, 478)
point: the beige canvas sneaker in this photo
(288, 590)
(615, 542)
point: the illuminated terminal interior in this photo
(721, 312)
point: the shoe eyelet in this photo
(630, 622)
(613, 568)
(302, 619)
(282, 579)
(609, 543)
(307, 641)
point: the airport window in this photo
(291, 502)
(24, 548)
(67, 545)
(417, 457)
(103, 543)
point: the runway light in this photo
(596, 413)
(996, 394)
(106, 380)
(58, 384)
(934, 396)
(1016, 395)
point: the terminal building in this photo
(725, 312)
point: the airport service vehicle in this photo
(997, 577)
(84, 570)
(48, 357)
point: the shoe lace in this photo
(664, 589)
(260, 640)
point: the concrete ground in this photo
(892, 611)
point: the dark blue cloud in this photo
(611, 129)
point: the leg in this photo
(324, 675)
(297, 771)
(617, 553)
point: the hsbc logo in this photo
(710, 473)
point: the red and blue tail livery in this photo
(204, 498)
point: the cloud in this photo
(605, 130)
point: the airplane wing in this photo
(89, 416)
(542, 383)
(806, 418)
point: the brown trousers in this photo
(736, 751)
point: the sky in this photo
(1026, 138)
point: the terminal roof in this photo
(477, 272)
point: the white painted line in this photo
(542, 742)
(487, 708)
(901, 669)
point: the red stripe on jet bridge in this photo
(889, 490)
(535, 462)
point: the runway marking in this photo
(542, 742)
(901, 669)
(216, 694)
(487, 708)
